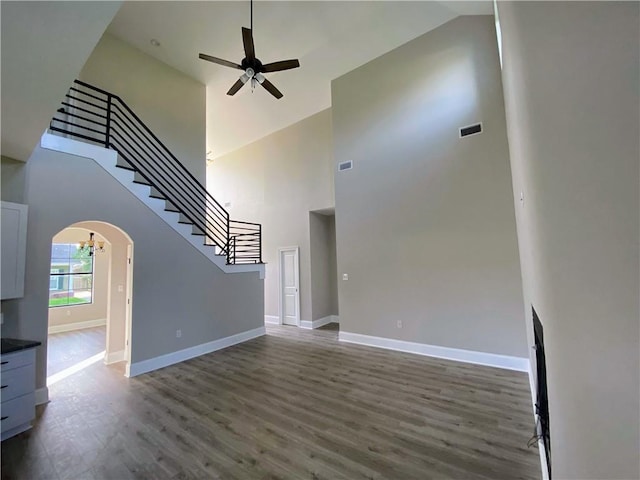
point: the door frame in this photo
(129, 306)
(281, 250)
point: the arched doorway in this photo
(89, 298)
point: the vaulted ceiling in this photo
(329, 38)
(45, 44)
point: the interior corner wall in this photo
(571, 76)
(276, 181)
(170, 103)
(323, 271)
(97, 309)
(425, 220)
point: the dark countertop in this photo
(10, 345)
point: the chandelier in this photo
(92, 245)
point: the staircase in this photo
(103, 119)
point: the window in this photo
(71, 275)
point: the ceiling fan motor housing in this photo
(255, 65)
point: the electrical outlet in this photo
(178, 333)
(120, 288)
(399, 323)
(345, 276)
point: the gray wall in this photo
(276, 181)
(170, 103)
(571, 89)
(13, 179)
(174, 286)
(322, 248)
(425, 221)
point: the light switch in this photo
(120, 288)
(345, 276)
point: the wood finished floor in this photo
(66, 349)
(293, 404)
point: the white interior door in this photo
(289, 286)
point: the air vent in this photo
(471, 130)
(348, 165)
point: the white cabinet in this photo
(14, 246)
(18, 378)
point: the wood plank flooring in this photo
(68, 348)
(293, 404)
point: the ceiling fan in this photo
(252, 66)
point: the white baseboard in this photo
(468, 356)
(273, 319)
(317, 323)
(42, 395)
(114, 357)
(68, 327)
(335, 319)
(162, 361)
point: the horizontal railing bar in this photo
(79, 126)
(74, 115)
(161, 184)
(245, 223)
(86, 102)
(79, 135)
(144, 126)
(223, 212)
(157, 187)
(83, 110)
(94, 88)
(106, 100)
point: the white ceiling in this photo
(329, 38)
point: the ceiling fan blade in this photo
(282, 65)
(247, 40)
(219, 61)
(271, 88)
(236, 86)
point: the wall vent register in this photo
(348, 165)
(471, 130)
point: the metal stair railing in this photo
(97, 116)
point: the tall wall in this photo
(276, 181)
(570, 72)
(169, 102)
(425, 222)
(174, 286)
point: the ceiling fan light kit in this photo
(252, 66)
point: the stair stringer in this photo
(107, 159)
